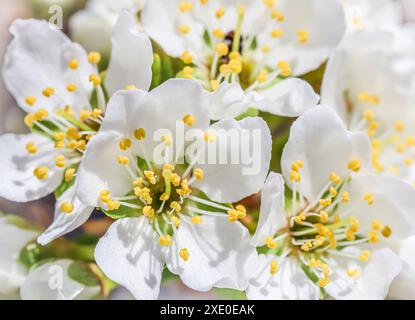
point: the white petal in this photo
(131, 56)
(18, 182)
(402, 287)
(220, 254)
(290, 283)
(289, 98)
(99, 170)
(38, 58)
(272, 213)
(320, 140)
(373, 281)
(393, 205)
(129, 255)
(161, 20)
(12, 241)
(228, 101)
(64, 223)
(241, 155)
(50, 281)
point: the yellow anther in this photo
(123, 160)
(335, 178)
(95, 79)
(235, 66)
(196, 220)
(368, 98)
(369, 198)
(184, 254)
(270, 3)
(187, 72)
(369, 115)
(336, 219)
(183, 29)
(277, 33)
(96, 113)
(365, 256)
(333, 192)
(295, 176)
(225, 69)
(221, 49)
(353, 273)
(410, 141)
(167, 139)
(345, 197)
(373, 237)
(350, 235)
(73, 64)
(59, 144)
(66, 207)
(125, 144)
(84, 114)
(198, 174)
(187, 57)
(130, 87)
(277, 15)
(324, 217)
(48, 92)
(386, 231)
(262, 76)
(376, 225)
(176, 221)
(165, 240)
(148, 212)
(354, 165)
(151, 177)
(204, 1)
(31, 147)
(71, 87)
(325, 202)
(300, 218)
(214, 84)
(189, 120)
(140, 134)
(322, 230)
(318, 241)
(138, 182)
(220, 12)
(176, 206)
(400, 148)
(31, 100)
(209, 137)
(315, 263)
(73, 144)
(185, 6)
(408, 161)
(60, 161)
(218, 33)
(303, 36)
(113, 205)
(104, 196)
(165, 196)
(285, 68)
(175, 179)
(266, 48)
(271, 244)
(41, 172)
(273, 267)
(94, 57)
(234, 55)
(354, 225)
(69, 173)
(67, 110)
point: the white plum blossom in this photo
(338, 235)
(53, 80)
(171, 211)
(377, 15)
(369, 82)
(248, 53)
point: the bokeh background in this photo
(99, 27)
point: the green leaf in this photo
(65, 185)
(156, 70)
(82, 273)
(251, 112)
(122, 212)
(167, 71)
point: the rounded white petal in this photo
(319, 139)
(64, 223)
(393, 206)
(12, 241)
(131, 56)
(220, 254)
(236, 164)
(272, 213)
(38, 58)
(289, 98)
(99, 170)
(18, 182)
(51, 281)
(373, 280)
(228, 101)
(129, 255)
(289, 283)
